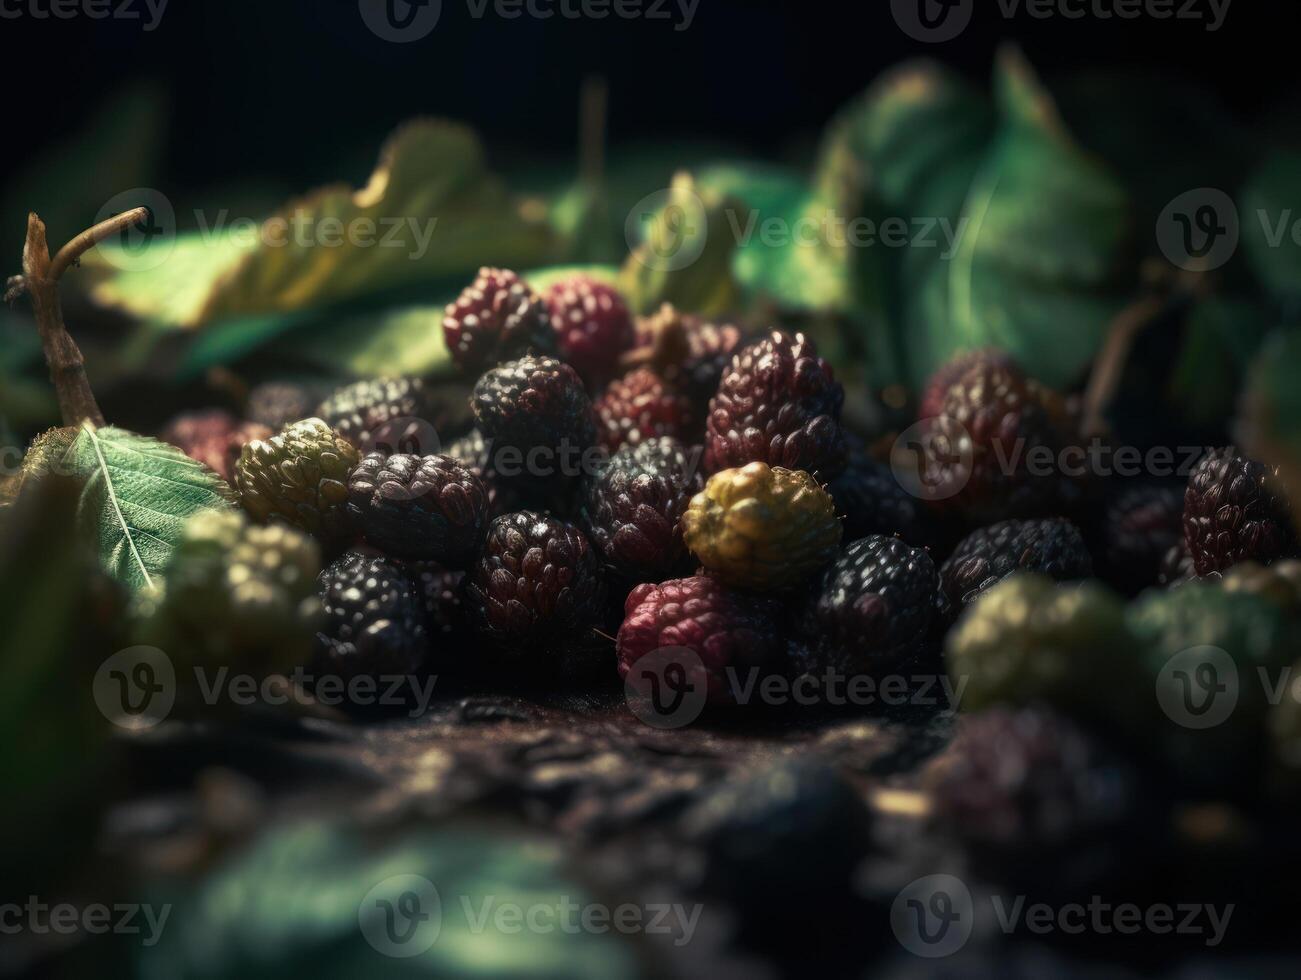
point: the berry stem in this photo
(40, 281)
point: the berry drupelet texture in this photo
(276, 404)
(430, 508)
(374, 620)
(536, 584)
(762, 528)
(496, 318)
(640, 406)
(592, 324)
(689, 353)
(870, 500)
(721, 627)
(777, 403)
(1052, 547)
(299, 475)
(380, 412)
(632, 506)
(1235, 510)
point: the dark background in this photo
(299, 92)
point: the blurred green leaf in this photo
(1271, 218)
(1222, 336)
(1271, 411)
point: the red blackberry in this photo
(214, 438)
(777, 403)
(1052, 547)
(537, 583)
(982, 451)
(375, 621)
(689, 353)
(418, 507)
(392, 414)
(1139, 527)
(722, 628)
(440, 590)
(871, 501)
(640, 406)
(632, 506)
(496, 318)
(1234, 511)
(538, 417)
(871, 610)
(592, 325)
(951, 373)
(1028, 780)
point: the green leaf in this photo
(1016, 238)
(137, 493)
(1271, 216)
(1271, 411)
(1221, 338)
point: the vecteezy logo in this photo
(667, 688)
(1198, 688)
(932, 21)
(1199, 230)
(933, 916)
(401, 916)
(930, 462)
(401, 21)
(136, 687)
(406, 435)
(146, 244)
(667, 230)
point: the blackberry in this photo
(536, 411)
(1029, 782)
(762, 528)
(979, 452)
(689, 353)
(1235, 510)
(721, 627)
(592, 325)
(496, 318)
(374, 620)
(299, 475)
(1030, 640)
(1053, 547)
(937, 387)
(419, 507)
(240, 595)
(383, 413)
(536, 584)
(633, 504)
(1139, 527)
(872, 608)
(1176, 567)
(276, 404)
(440, 590)
(214, 438)
(870, 500)
(640, 406)
(777, 403)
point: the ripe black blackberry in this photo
(1234, 511)
(429, 508)
(1052, 546)
(777, 403)
(374, 620)
(632, 505)
(535, 587)
(536, 411)
(981, 451)
(871, 501)
(640, 406)
(1139, 527)
(592, 324)
(496, 318)
(1176, 567)
(383, 413)
(870, 611)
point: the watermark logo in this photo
(667, 688)
(135, 688)
(406, 435)
(933, 916)
(401, 21)
(932, 21)
(402, 916)
(1198, 688)
(667, 230)
(150, 12)
(40, 918)
(1199, 230)
(148, 243)
(931, 462)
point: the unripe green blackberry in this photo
(240, 595)
(301, 476)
